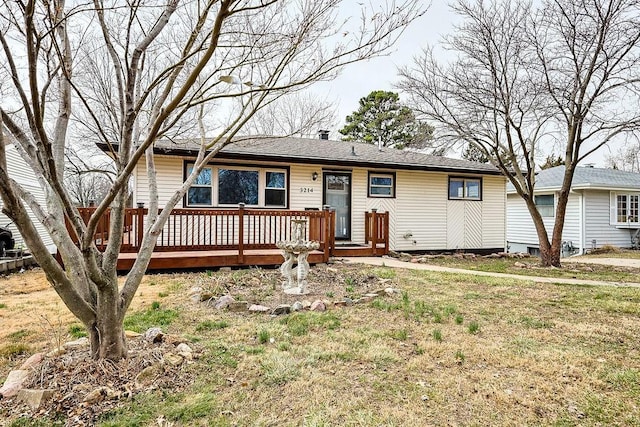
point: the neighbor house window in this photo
(231, 185)
(199, 193)
(627, 208)
(544, 203)
(465, 188)
(381, 185)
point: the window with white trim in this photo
(465, 188)
(381, 185)
(627, 208)
(545, 204)
(230, 185)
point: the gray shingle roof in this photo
(587, 177)
(317, 151)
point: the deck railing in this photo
(218, 229)
(376, 226)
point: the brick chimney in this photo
(323, 134)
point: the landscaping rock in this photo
(79, 343)
(281, 309)
(237, 306)
(32, 361)
(332, 270)
(172, 359)
(519, 264)
(255, 281)
(131, 334)
(99, 394)
(391, 291)
(393, 254)
(348, 301)
(318, 306)
(371, 295)
(153, 335)
(34, 398)
(365, 298)
(379, 292)
(223, 302)
(148, 375)
(225, 269)
(13, 383)
(415, 260)
(405, 257)
(185, 351)
(340, 303)
(257, 308)
(297, 306)
(306, 304)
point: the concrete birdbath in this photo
(296, 251)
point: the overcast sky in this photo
(358, 80)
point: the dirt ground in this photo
(29, 303)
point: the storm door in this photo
(337, 194)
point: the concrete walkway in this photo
(616, 262)
(395, 263)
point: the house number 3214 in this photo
(306, 190)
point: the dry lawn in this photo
(450, 350)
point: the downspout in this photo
(583, 225)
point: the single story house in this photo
(602, 210)
(22, 174)
(433, 203)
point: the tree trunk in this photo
(107, 333)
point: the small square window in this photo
(545, 204)
(381, 185)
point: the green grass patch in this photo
(279, 368)
(211, 325)
(154, 317)
(10, 351)
(19, 335)
(299, 324)
(77, 331)
(2, 305)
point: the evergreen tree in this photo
(381, 117)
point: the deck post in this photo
(326, 233)
(374, 231)
(241, 233)
(140, 228)
(386, 233)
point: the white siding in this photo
(420, 215)
(170, 176)
(522, 233)
(494, 198)
(20, 171)
(597, 222)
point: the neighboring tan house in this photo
(602, 210)
(434, 203)
(21, 173)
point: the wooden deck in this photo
(210, 238)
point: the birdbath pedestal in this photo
(296, 251)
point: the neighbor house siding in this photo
(22, 173)
(597, 222)
(521, 232)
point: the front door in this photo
(337, 194)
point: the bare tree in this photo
(626, 158)
(526, 78)
(298, 114)
(132, 73)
